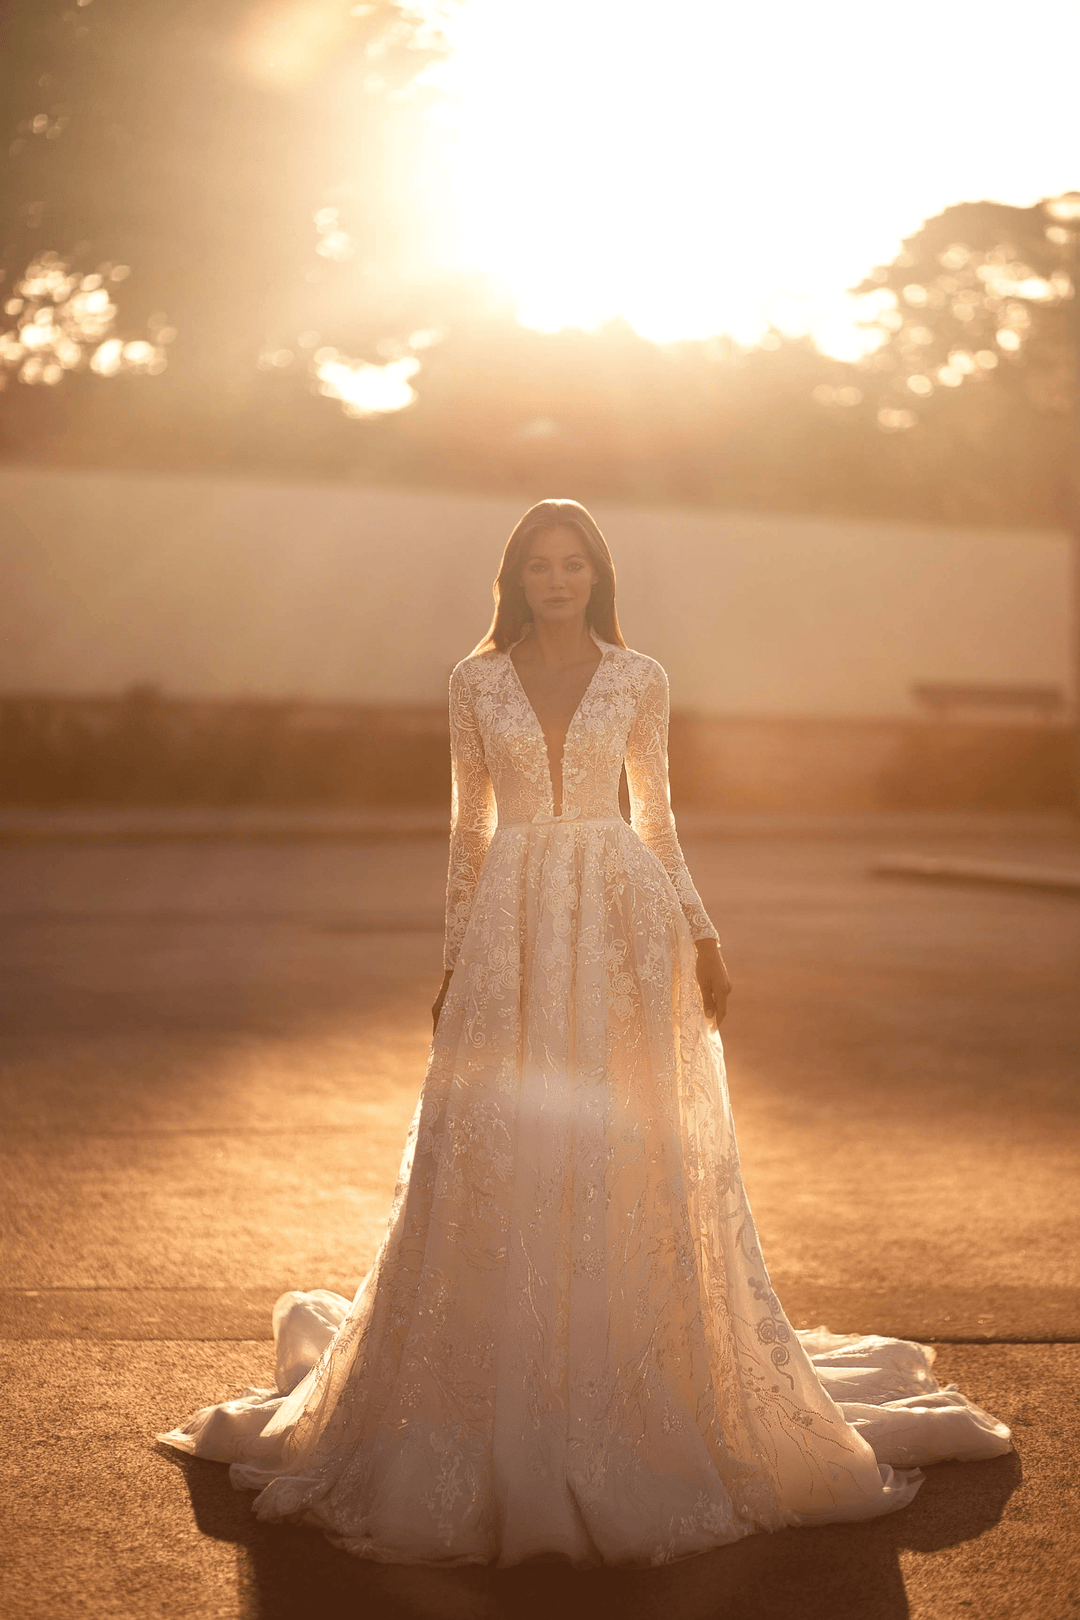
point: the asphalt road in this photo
(208, 1058)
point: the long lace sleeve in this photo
(650, 797)
(472, 813)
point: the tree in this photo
(974, 318)
(196, 184)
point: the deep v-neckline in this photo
(566, 733)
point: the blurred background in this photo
(303, 303)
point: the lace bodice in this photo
(502, 777)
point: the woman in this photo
(568, 1343)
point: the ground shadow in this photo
(837, 1572)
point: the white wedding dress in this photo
(568, 1343)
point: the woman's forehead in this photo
(559, 541)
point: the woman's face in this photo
(557, 575)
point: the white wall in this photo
(218, 586)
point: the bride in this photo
(568, 1343)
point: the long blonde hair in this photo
(512, 612)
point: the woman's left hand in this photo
(713, 980)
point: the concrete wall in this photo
(219, 587)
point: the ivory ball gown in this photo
(568, 1343)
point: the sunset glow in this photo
(702, 168)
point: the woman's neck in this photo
(556, 644)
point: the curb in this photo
(990, 874)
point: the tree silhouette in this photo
(975, 319)
(252, 172)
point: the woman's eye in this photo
(574, 567)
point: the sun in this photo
(705, 167)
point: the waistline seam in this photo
(565, 821)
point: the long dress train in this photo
(568, 1342)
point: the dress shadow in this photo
(832, 1572)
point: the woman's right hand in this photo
(436, 1006)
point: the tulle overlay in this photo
(568, 1342)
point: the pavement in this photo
(210, 1048)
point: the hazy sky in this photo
(698, 166)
